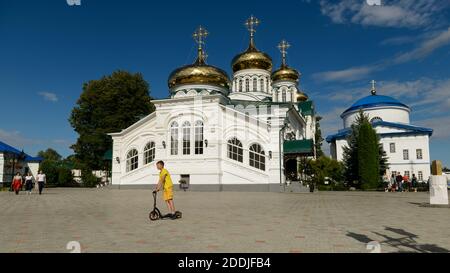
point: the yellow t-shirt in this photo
(168, 181)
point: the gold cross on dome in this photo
(200, 36)
(283, 46)
(251, 24)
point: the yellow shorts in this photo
(168, 194)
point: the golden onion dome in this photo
(199, 73)
(285, 73)
(300, 97)
(252, 58)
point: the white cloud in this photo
(425, 48)
(16, 139)
(346, 75)
(49, 96)
(401, 40)
(440, 125)
(393, 13)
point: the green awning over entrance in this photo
(108, 155)
(306, 108)
(304, 146)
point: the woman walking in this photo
(41, 179)
(29, 183)
(17, 183)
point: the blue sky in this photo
(48, 49)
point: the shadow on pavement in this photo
(401, 240)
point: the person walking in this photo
(407, 185)
(41, 180)
(414, 182)
(17, 183)
(392, 186)
(29, 183)
(399, 180)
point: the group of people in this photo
(29, 182)
(402, 183)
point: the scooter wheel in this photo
(153, 216)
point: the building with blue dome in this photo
(406, 145)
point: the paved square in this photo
(106, 220)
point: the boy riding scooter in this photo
(165, 182)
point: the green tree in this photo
(324, 167)
(50, 168)
(107, 105)
(65, 177)
(50, 154)
(368, 157)
(88, 179)
(318, 138)
(384, 165)
(364, 158)
(350, 158)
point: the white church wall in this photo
(411, 144)
(2, 168)
(340, 144)
(213, 167)
(33, 168)
(389, 114)
(386, 130)
(396, 160)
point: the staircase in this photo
(295, 187)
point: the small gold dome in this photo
(252, 58)
(199, 73)
(285, 73)
(300, 97)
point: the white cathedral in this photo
(406, 145)
(248, 133)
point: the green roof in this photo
(108, 155)
(306, 108)
(304, 146)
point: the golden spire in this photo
(200, 36)
(251, 25)
(283, 47)
(374, 89)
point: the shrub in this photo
(88, 179)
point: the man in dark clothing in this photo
(399, 179)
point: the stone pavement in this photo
(107, 220)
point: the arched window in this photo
(283, 95)
(132, 160)
(174, 138)
(235, 150)
(149, 153)
(247, 85)
(376, 119)
(257, 157)
(186, 138)
(240, 86)
(199, 137)
(261, 82)
(255, 85)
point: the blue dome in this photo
(374, 101)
